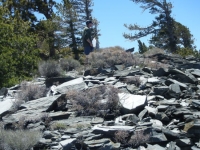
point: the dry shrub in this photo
(134, 80)
(121, 136)
(69, 64)
(90, 101)
(46, 119)
(111, 56)
(16, 105)
(139, 137)
(31, 91)
(19, 139)
(49, 69)
(154, 51)
(58, 126)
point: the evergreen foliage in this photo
(18, 52)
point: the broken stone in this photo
(132, 103)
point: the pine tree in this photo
(163, 21)
(69, 25)
(142, 47)
(18, 52)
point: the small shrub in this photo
(89, 102)
(49, 69)
(69, 64)
(46, 119)
(31, 91)
(109, 57)
(19, 139)
(138, 138)
(58, 126)
(121, 136)
(16, 105)
(134, 80)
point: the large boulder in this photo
(76, 84)
(33, 110)
(132, 103)
(6, 105)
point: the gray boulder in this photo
(76, 84)
(132, 103)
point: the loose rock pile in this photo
(158, 109)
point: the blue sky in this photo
(113, 14)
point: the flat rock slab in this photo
(76, 84)
(153, 80)
(182, 85)
(110, 130)
(132, 103)
(196, 72)
(5, 105)
(67, 144)
(31, 110)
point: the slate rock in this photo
(160, 72)
(160, 90)
(132, 103)
(76, 84)
(51, 81)
(196, 72)
(3, 91)
(68, 143)
(184, 142)
(175, 88)
(33, 109)
(182, 85)
(155, 147)
(162, 117)
(6, 105)
(142, 114)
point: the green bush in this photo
(185, 52)
(19, 139)
(49, 69)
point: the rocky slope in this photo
(158, 109)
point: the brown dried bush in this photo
(109, 57)
(133, 80)
(121, 136)
(90, 101)
(31, 91)
(139, 137)
(19, 139)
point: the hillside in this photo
(121, 101)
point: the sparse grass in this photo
(49, 69)
(58, 126)
(89, 102)
(134, 80)
(19, 139)
(30, 91)
(68, 64)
